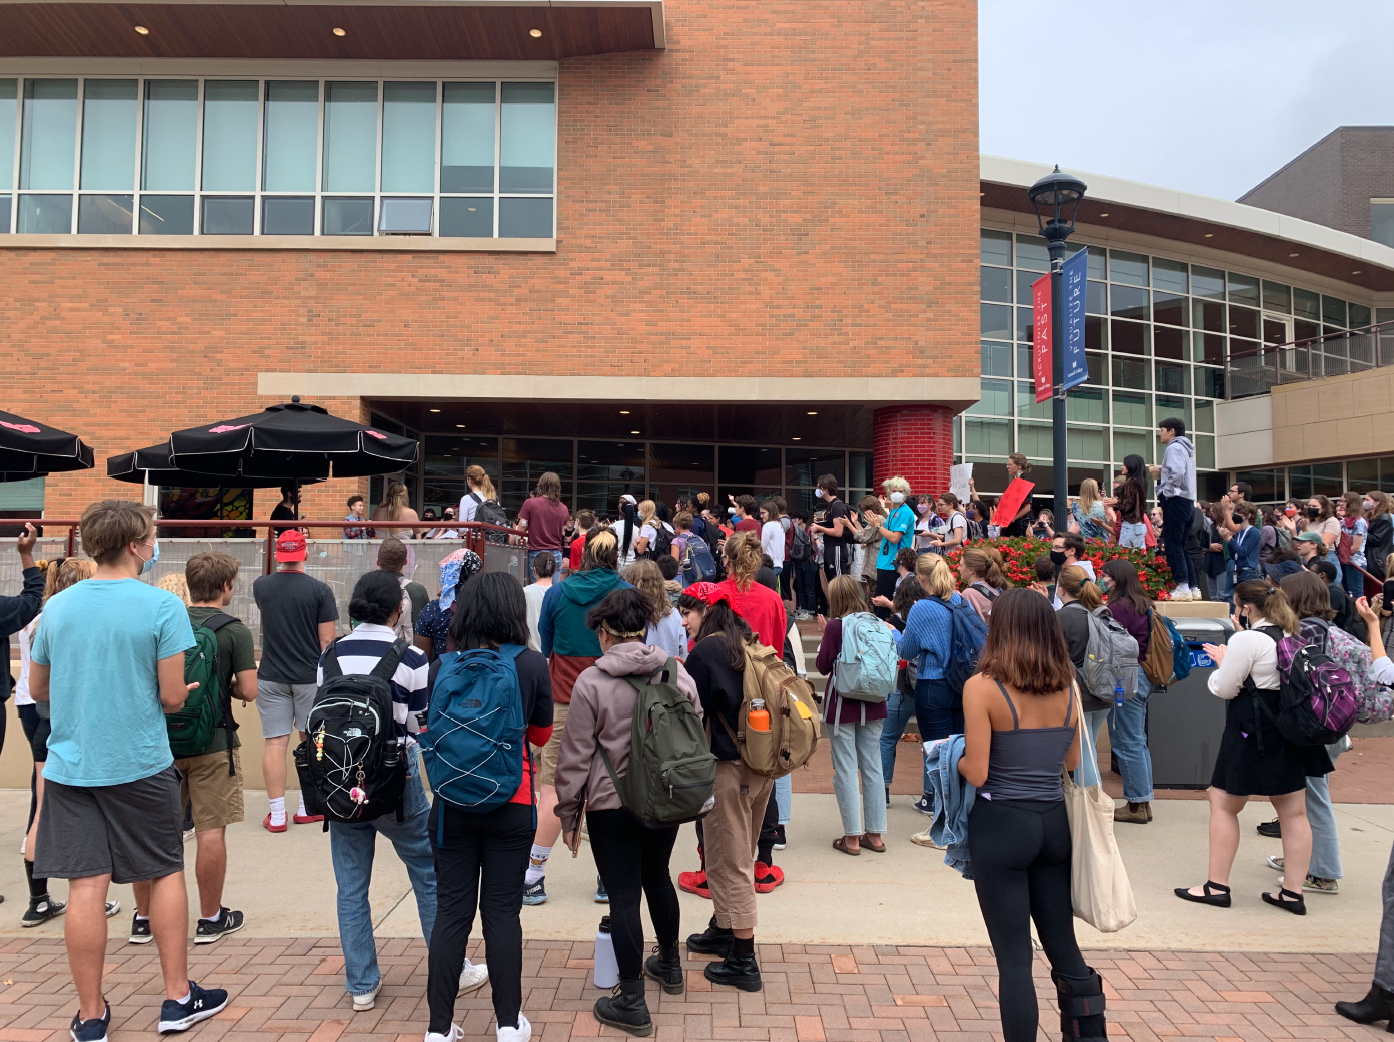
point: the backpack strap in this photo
(387, 665)
(330, 663)
(217, 622)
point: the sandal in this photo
(875, 848)
(841, 844)
(1219, 898)
(1297, 905)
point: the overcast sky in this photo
(1206, 96)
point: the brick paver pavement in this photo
(292, 991)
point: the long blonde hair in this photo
(646, 511)
(1088, 495)
(478, 479)
(934, 576)
(645, 577)
(395, 500)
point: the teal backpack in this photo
(191, 729)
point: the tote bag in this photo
(1099, 887)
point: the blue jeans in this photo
(1127, 734)
(938, 711)
(1131, 535)
(856, 754)
(1353, 579)
(1340, 572)
(784, 798)
(1224, 584)
(1087, 775)
(352, 847)
(899, 710)
(532, 556)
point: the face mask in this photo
(972, 512)
(819, 493)
(922, 508)
(1291, 511)
(897, 498)
(1368, 504)
(1057, 557)
(730, 510)
(1104, 585)
(146, 566)
(1313, 513)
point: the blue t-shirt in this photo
(101, 640)
(902, 520)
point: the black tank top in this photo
(1026, 763)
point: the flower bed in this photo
(1019, 555)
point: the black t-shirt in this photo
(292, 606)
(1021, 524)
(836, 508)
(281, 512)
(721, 690)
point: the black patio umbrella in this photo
(29, 449)
(292, 441)
(151, 465)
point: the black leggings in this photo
(632, 858)
(1021, 870)
(481, 863)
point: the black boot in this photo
(1377, 1005)
(739, 970)
(711, 941)
(625, 1008)
(666, 968)
(1081, 1007)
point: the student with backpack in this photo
(380, 770)
(982, 577)
(694, 556)
(1130, 607)
(483, 817)
(1255, 759)
(596, 759)
(203, 739)
(758, 604)
(1079, 599)
(802, 562)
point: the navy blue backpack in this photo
(965, 644)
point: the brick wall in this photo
(1333, 182)
(792, 183)
(916, 442)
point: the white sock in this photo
(210, 918)
(142, 918)
(537, 864)
(278, 810)
(187, 996)
(1183, 587)
(303, 812)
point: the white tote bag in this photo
(1099, 887)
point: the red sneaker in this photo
(266, 824)
(695, 883)
(767, 877)
(307, 819)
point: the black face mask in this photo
(1057, 557)
(1313, 513)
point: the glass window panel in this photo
(1207, 282)
(288, 215)
(48, 139)
(292, 132)
(467, 138)
(1170, 275)
(1179, 408)
(1243, 289)
(987, 437)
(1170, 309)
(1306, 304)
(1031, 252)
(1243, 322)
(230, 110)
(1210, 348)
(527, 459)
(108, 137)
(860, 469)
(1025, 324)
(408, 137)
(527, 140)
(468, 218)
(1085, 406)
(1130, 338)
(1173, 379)
(1128, 443)
(166, 215)
(525, 218)
(1035, 439)
(348, 217)
(1359, 315)
(404, 215)
(1085, 443)
(996, 399)
(1208, 315)
(350, 136)
(1026, 405)
(801, 466)
(1267, 485)
(996, 247)
(171, 135)
(1127, 267)
(1277, 297)
(1132, 373)
(1169, 343)
(106, 214)
(224, 216)
(45, 215)
(996, 321)
(1305, 330)
(1097, 365)
(1333, 309)
(958, 439)
(1128, 302)
(1024, 279)
(1095, 333)
(1132, 410)
(1205, 452)
(997, 359)
(1024, 365)
(9, 104)
(749, 465)
(6, 205)
(1205, 416)
(1098, 262)
(1096, 298)
(1382, 222)
(996, 284)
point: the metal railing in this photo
(1253, 372)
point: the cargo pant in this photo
(730, 835)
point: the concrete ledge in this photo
(1194, 609)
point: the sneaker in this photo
(90, 1030)
(306, 819)
(140, 931)
(188, 835)
(203, 1003)
(781, 838)
(925, 804)
(537, 893)
(228, 921)
(803, 616)
(112, 908)
(695, 883)
(1272, 829)
(363, 1003)
(473, 976)
(521, 1033)
(1275, 863)
(453, 1035)
(601, 897)
(41, 910)
(1317, 885)
(924, 839)
(1181, 593)
(767, 877)
(266, 824)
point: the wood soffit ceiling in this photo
(1221, 237)
(437, 32)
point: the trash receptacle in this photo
(1185, 722)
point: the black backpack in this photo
(662, 545)
(490, 512)
(352, 767)
(800, 547)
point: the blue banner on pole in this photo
(1075, 272)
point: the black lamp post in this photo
(1056, 199)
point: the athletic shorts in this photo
(133, 832)
(216, 796)
(283, 707)
(837, 560)
(546, 758)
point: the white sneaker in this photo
(924, 839)
(1181, 593)
(521, 1033)
(363, 1003)
(455, 1032)
(474, 975)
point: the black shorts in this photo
(133, 832)
(36, 731)
(837, 560)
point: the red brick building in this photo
(668, 244)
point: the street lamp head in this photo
(1056, 198)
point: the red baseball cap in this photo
(290, 546)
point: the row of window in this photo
(277, 157)
(1279, 484)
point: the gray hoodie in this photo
(1178, 476)
(602, 716)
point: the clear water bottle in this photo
(1118, 692)
(607, 970)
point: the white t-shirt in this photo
(533, 594)
(468, 506)
(22, 696)
(627, 557)
(1088, 566)
(772, 542)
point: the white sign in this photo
(960, 474)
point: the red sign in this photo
(1011, 502)
(1041, 359)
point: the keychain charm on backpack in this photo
(358, 795)
(319, 744)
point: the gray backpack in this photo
(1111, 657)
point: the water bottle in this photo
(607, 970)
(1118, 692)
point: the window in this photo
(1382, 221)
(470, 159)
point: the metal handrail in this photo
(1292, 362)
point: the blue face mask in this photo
(146, 566)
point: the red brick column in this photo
(917, 442)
